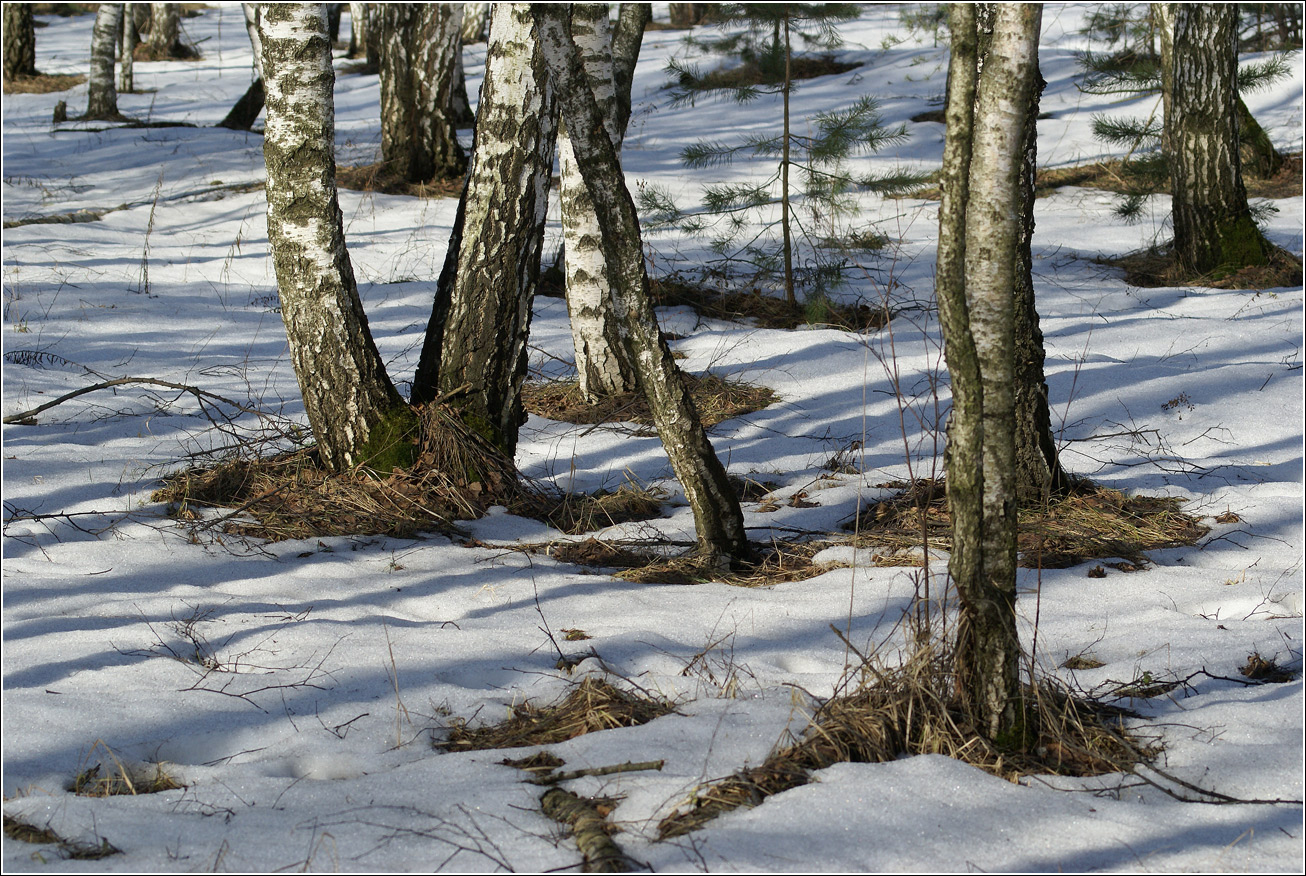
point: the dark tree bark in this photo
(102, 100)
(979, 230)
(627, 38)
(418, 139)
(19, 41)
(356, 415)
(480, 319)
(690, 14)
(1213, 226)
(717, 516)
(243, 115)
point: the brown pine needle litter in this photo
(910, 710)
(592, 705)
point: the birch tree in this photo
(246, 111)
(602, 363)
(355, 412)
(1213, 225)
(717, 516)
(474, 353)
(979, 227)
(102, 93)
(418, 46)
(19, 41)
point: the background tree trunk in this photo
(19, 41)
(130, 37)
(418, 140)
(627, 38)
(717, 516)
(476, 20)
(602, 361)
(979, 233)
(481, 315)
(243, 115)
(357, 30)
(165, 30)
(355, 412)
(1213, 226)
(102, 100)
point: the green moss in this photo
(1241, 244)
(392, 443)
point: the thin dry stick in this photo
(28, 418)
(627, 767)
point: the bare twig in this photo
(28, 418)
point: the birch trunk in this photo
(246, 111)
(356, 415)
(481, 315)
(979, 236)
(717, 516)
(602, 363)
(102, 99)
(19, 41)
(418, 140)
(1213, 227)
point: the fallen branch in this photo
(602, 855)
(28, 418)
(627, 767)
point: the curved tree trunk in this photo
(356, 415)
(19, 41)
(480, 319)
(979, 230)
(602, 361)
(1213, 227)
(717, 516)
(243, 115)
(102, 100)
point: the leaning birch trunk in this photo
(717, 516)
(602, 363)
(243, 115)
(476, 337)
(102, 100)
(979, 235)
(356, 415)
(627, 37)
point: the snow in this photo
(341, 659)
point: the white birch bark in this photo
(350, 402)
(601, 360)
(102, 100)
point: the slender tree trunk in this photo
(357, 30)
(627, 37)
(460, 108)
(19, 41)
(399, 110)
(1257, 151)
(1213, 226)
(979, 233)
(243, 115)
(102, 101)
(356, 415)
(785, 231)
(602, 361)
(717, 516)
(127, 53)
(480, 319)
(165, 30)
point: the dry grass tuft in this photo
(909, 710)
(378, 178)
(23, 832)
(120, 779)
(1090, 522)
(716, 398)
(1265, 669)
(1150, 268)
(43, 83)
(765, 311)
(577, 513)
(592, 705)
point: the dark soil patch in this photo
(593, 705)
(763, 310)
(377, 178)
(43, 83)
(716, 398)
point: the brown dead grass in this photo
(800, 67)
(378, 178)
(1089, 522)
(43, 83)
(909, 710)
(24, 832)
(1148, 269)
(591, 706)
(716, 398)
(110, 776)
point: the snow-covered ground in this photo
(339, 660)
